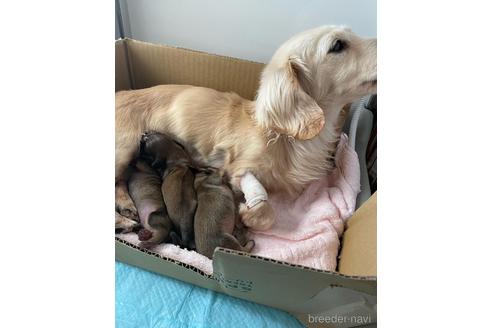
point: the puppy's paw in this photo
(130, 212)
(249, 246)
(125, 207)
(259, 217)
(123, 224)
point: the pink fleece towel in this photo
(307, 229)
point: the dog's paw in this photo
(259, 217)
(249, 246)
(123, 224)
(124, 206)
(129, 212)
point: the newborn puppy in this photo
(216, 214)
(180, 198)
(144, 186)
(173, 162)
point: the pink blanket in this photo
(307, 229)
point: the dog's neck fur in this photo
(299, 162)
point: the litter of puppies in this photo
(183, 200)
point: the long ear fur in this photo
(284, 106)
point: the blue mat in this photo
(145, 299)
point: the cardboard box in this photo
(346, 298)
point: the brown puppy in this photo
(144, 186)
(216, 214)
(173, 162)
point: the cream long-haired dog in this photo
(286, 138)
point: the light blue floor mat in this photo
(145, 299)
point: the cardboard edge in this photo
(303, 267)
(129, 40)
(363, 284)
(129, 62)
(220, 250)
(126, 62)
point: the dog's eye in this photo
(338, 46)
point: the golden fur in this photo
(287, 137)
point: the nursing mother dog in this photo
(285, 139)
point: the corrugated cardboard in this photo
(122, 73)
(156, 64)
(358, 254)
(300, 290)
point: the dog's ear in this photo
(284, 103)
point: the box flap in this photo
(152, 64)
(289, 287)
(122, 73)
(358, 256)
